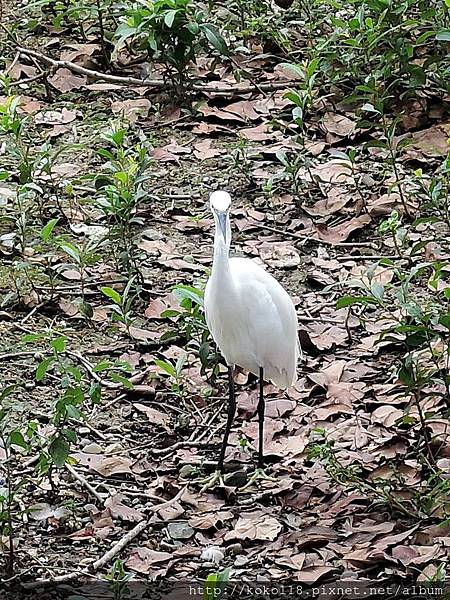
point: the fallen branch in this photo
(108, 556)
(85, 483)
(150, 83)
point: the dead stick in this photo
(108, 556)
(85, 483)
(156, 83)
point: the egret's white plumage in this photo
(253, 321)
(249, 314)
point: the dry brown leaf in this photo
(64, 80)
(428, 142)
(132, 109)
(384, 204)
(324, 336)
(55, 117)
(221, 114)
(17, 70)
(333, 203)
(154, 416)
(313, 574)
(261, 133)
(340, 233)
(142, 334)
(121, 511)
(79, 53)
(105, 465)
(256, 527)
(244, 109)
(337, 127)
(143, 560)
(386, 415)
(203, 150)
(333, 171)
(280, 255)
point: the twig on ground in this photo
(112, 552)
(11, 355)
(12, 64)
(150, 83)
(85, 483)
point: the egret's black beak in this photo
(222, 220)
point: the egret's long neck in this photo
(221, 267)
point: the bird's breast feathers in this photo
(253, 321)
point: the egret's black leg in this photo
(261, 410)
(231, 412)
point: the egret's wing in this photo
(270, 320)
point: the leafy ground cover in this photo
(328, 122)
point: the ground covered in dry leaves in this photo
(355, 496)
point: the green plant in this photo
(174, 370)
(172, 32)
(120, 191)
(392, 227)
(82, 256)
(191, 324)
(392, 146)
(14, 438)
(215, 583)
(88, 17)
(122, 304)
(380, 40)
(302, 98)
(256, 19)
(119, 579)
(74, 386)
(435, 190)
(12, 124)
(349, 162)
(432, 494)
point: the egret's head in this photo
(220, 205)
(220, 201)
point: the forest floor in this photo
(360, 489)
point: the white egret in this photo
(252, 320)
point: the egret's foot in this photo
(258, 475)
(214, 480)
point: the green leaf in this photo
(370, 108)
(70, 250)
(166, 314)
(186, 291)
(443, 35)
(180, 363)
(214, 585)
(43, 368)
(59, 344)
(352, 300)
(112, 294)
(296, 69)
(31, 338)
(377, 290)
(169, 18)
(59, 450)
(69, 434)
(46, 231)
(215, 38)
(17, 439)
(86, 310)
(167, 367)
(7, 391)
(127, 384)
(95, 392)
